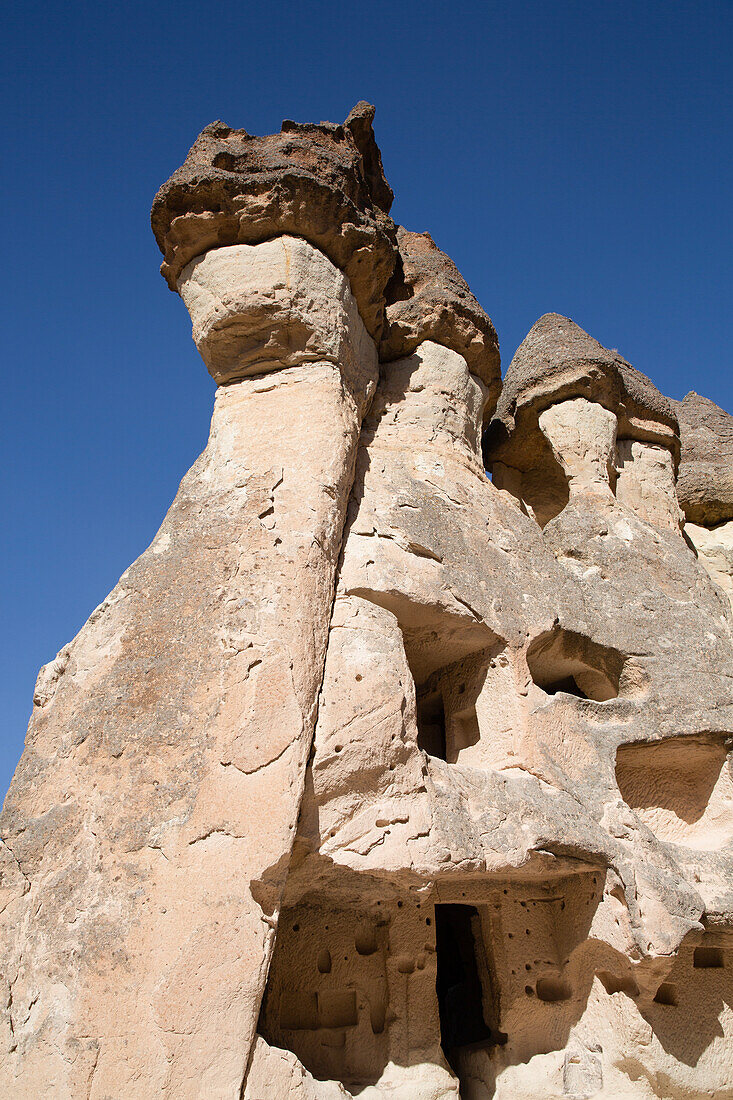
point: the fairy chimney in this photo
(399, 765)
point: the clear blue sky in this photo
(569, 156)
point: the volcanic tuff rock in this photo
(375, 776)
(557, 360)
(428, 299)
(321, 182)
(166, 753)
(705, 483)
(556, 364)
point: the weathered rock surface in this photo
(705, 485)
(428, 299)
(558, 361)
(376, 776)
(714, 547)
(486, 715)
(559, 365)
(150, 821)
(321, 182)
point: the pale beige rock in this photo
(714, 546)
(278, 304)
(144, 921)
(428, 299)
(582, 435)
(426, 659)
(275, 1073)
(322, 182)
(705, 484)
(424, 775)
(646, 482)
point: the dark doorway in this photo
(464, 1000)
(431, 724)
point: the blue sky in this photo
(569, 156)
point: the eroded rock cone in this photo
(705, 484)
(557, 360)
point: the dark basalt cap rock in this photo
(558, 361)
(322, 182)
(428, 299)
(705, 481)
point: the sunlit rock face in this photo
(706, 484)
(399, 765)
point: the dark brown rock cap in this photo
(558, 361)
(705, 480)
(322, 182)
(428, 299)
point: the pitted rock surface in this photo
(557, 361)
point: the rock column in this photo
(148, 831)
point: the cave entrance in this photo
(468, 1014)
(563, 661)
(431, 723)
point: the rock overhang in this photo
(428, 298)
(322, 182)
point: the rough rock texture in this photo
(150, 821)
(714, 547)
(705, 485)
(560, 363)
(376, 776)
(485, 711)
(320, 182)
(428, 299)
(558, 360)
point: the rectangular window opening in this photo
(468, 1014)
(431, 724)
(708, 958)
